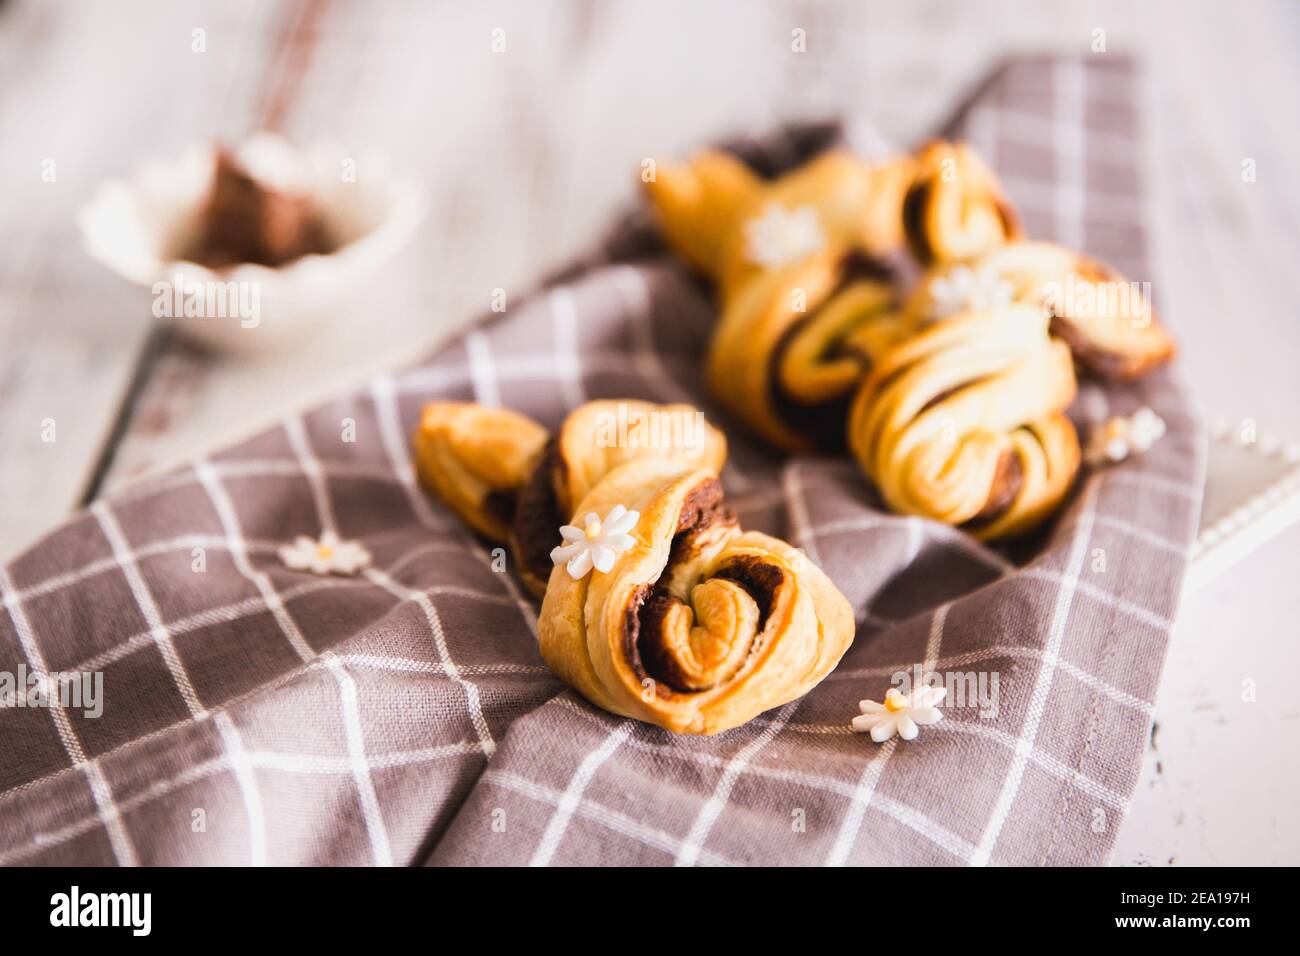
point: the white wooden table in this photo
(527, 154)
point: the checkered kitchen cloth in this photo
(253, 714)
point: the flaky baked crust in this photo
(698, 204)
(511, 481)
(1108, 321)
(477, 459)
(963, 422)
(702, 207)
(791, 345)
(954, 208)
(698, 627)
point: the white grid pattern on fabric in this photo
(305, 764)
(690, 850)
(109, 814)
(589, 809)
(239, 554)
(1003, 650)
(876, 766)
(247, 779)
(1043, 681)
(376, 662)
(939, 835)
(144, 600)
(371, 811)
(325, 513)
(573, 793)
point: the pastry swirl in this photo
(963, 422)
(791, 346)
(511, 481)
(699, 626)
(954, 208)
(1107, 320)
(705, 206)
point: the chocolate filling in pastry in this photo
(1007, 479)
(824, 421)
(501, 505)
(645, 642)
(1007, 476)
(1105, 364)
(918, 239)
(537, 514)
(759, 579)
(913, 207)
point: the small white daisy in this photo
(329, 555)
(781, 236)
(962, 289)
(596, 543)
(900, 714)
(1124, 435)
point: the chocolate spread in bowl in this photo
(244, 220)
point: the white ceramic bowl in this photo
(138, 227)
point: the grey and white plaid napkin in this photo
(253, 714)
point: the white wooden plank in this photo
(93, 93)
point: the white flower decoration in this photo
(962, 289)
(781, 236)
(329, 555)
(597, 543)
(1124, 435)
(900, 714)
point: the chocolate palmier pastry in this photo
(477, 459)
(511, 481)
(954, 208)
(698, 626)
(1107, 320)
(697, 204)
(963, 422)
(732, 225)
(792, 344)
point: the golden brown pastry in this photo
(476, 459)
(698, 204)
(954, 208)
(698, 626)
(806, 303)
(730, 224)
(690, 623)
(511, 481)
(963, 422)
(1107, 321)
(792, 344)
